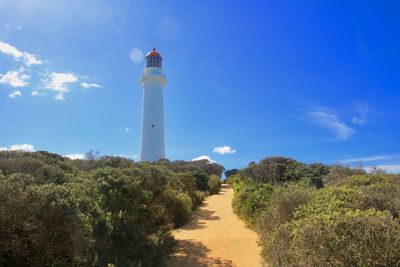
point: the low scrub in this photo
(351, 220)
(214, 184)
(251, 200)
(106, 211)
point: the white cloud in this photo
(23, 147)
(10, 50)
(15, 78)
(125, 129)
(15, 94)
(202, 157)
(59, 82)
(59, 97)
(366, 159)
(222, 150)
(330, 120)
(19, 147)
(75, 156)
(134, 156)
(35, 93)
(90, 85)
(29, 59)
(362, 115)
(391, 168)
(136, 55)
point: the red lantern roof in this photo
(153, 53)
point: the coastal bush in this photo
(41, 225)
(214, 184)
(352, 238)
(331, 216)
(283, 203)
(331, 226)
(250, 200)
(103, 211)
(280, 170)
(179, 207)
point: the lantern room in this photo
(153, 59)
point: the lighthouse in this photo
(153, 81)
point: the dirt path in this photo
(216, 237)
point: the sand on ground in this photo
(216, 237)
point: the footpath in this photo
(216, 237)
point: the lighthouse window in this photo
(153, 62)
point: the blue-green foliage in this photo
(58, 212)
(251, 199)
(352, 221)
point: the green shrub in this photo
(380, 192)
(42, 225)
(214, 184)
(354, 238)
(354, 224)
(250, 200)
(283, 204)
(179, 206)
(383, 196)
(339, 174)
(197, 198)
(233, 179)
(105, 211)
(279, 170)
(201, 180)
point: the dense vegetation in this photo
(95, 212)
(316, 215)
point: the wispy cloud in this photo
(59, 82)
(361, 117)
(19, 147)
(15, 78)
(15, 94)
(366, 159)
(75, 156)
(35, 93)
(222, 150)
(204, 157)
(329, 119)
(90, 85)
(28, 58)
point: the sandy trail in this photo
(216, 237)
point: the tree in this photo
(230, 172)
(92, 155)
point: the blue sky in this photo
(317, 81)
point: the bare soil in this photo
(216, 237)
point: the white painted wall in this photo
(153, 143)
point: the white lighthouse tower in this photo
(153, 81)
